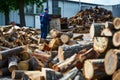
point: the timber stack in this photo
(83, 19)
(25, 56)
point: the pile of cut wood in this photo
(83, 19)
(25, 56)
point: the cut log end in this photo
(88, 69)
(23, 65)
(116, 39)
(100, 44)
(116, 23)
(110, 62)
(116, 75)
(64, 38)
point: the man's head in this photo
(46, 10)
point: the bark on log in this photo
(95, 29)
(67, 51)
(4, 72)
(116, 75)
(3, 63)
(66, 65)
(94, 69)
(112, 61)
(50, 74)
(65, 37)
(116, 23)
(107, 32)
(90, 54)
(109, 25)
(70, 75)
(101, 44)
(116, 39)
(5, 53)
(17, 74)
(12, 63)
(79, 37)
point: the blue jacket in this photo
(44, 18)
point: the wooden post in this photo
(112, 61)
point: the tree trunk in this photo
(7, 19)
(94, 69)
(112, 61)
(21, 4)
(116, 39)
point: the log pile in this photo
(25, 56)
(83, 19)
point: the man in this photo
(44, 20)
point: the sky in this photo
(104, 2)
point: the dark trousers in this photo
(44, 31)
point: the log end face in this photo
(116, 39)
(88, 70)
(116, 75)
(110, 62)
(23, 65)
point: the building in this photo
(65, 8)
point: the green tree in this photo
(22, 3)
(5, 7)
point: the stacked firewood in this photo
(83, 19)
(64, 23)
(106, 41)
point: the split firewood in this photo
(116, 39)
(55, 43)
(50, 74)
(67, 51)
(44, 47)
(90, 54)
(94, 69)
(5, 53)
(116, 23)
(95, 29)
(112, 61)
(79, 37)
(116, 75)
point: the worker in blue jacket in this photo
(44, 20)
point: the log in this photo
(67, 51)
(112, 61)
(42, 56)
(107, 32)
(12, 63)
(95, 29)
(66, 65)
(90, 54)
(5, 53)
(50, 74)
(17, 74)
(116, 75)
(116, 39)
(55, 43)
(109, 25)
(4, 72)
(44, 47)
(55, 33)
(94, 69)
(65, 37)
(79, 37)
(33, 75)
(70, 75)
(3, 63)
(102, 44)
(116, 23)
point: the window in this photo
(39, 9)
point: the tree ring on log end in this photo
(111, 61)
(116, 39)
